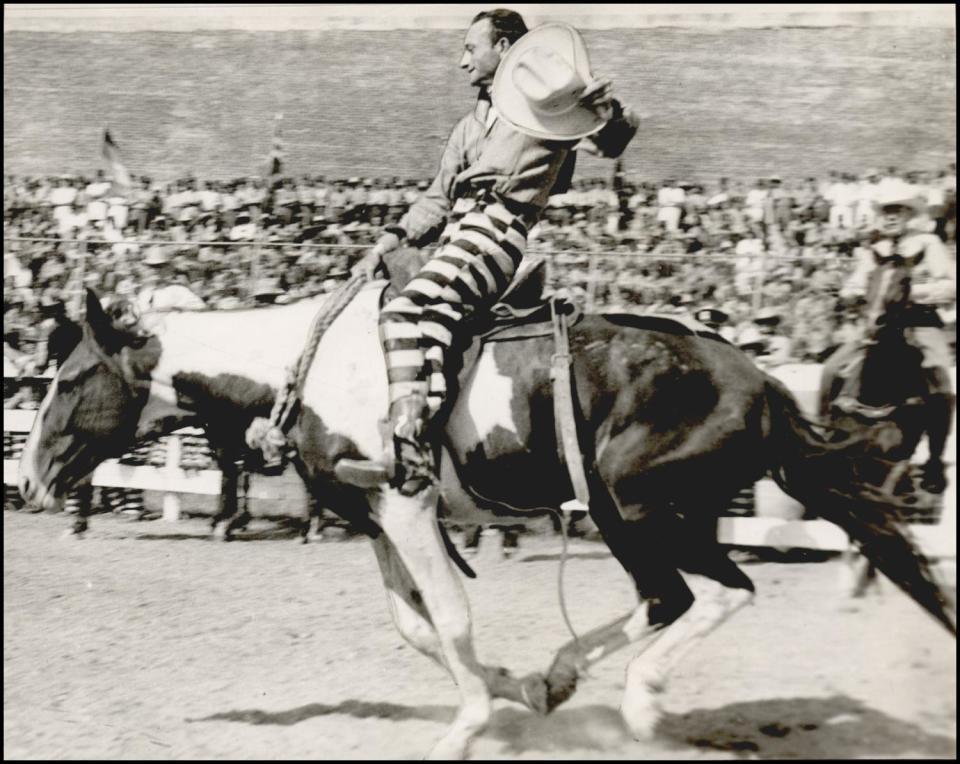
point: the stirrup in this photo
(409, 476)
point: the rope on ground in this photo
(563, 552)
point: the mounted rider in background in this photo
(538, 103)
(933, 282)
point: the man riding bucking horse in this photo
(933, 282)
(538, 104)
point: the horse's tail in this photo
(821, 475)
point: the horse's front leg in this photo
(410, 524)
(83, 496)
(412, 620)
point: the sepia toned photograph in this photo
(464, 381)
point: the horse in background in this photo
(894, 409)
(672, 423)
(221, 434)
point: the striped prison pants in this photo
(478, 256)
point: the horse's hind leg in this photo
(410, 524)
(664, 597)
(727, 589)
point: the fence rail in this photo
(777, 524)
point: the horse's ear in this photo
(95, 311)
(104, 331)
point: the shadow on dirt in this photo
(833, 727)
(570, 556)
(359, 709)
(241, 536)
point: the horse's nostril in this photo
(25, 487)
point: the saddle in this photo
(522, 312)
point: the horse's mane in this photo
(662, 324)
(249, 309)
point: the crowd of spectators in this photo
(762, 262)
(667, 247)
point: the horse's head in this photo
(91, 410)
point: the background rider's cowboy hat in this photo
(900, 194)
(539, 82)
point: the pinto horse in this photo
(672, 425)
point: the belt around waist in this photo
(528, 214)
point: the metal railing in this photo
(594, 258)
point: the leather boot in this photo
(408, 460)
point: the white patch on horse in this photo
(347, 383)
(254, 345)
(491, 395)
(488, 396)
(28, 468)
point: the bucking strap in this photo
(568, 444)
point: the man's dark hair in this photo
(505, 23)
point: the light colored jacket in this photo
(933, 277)
(484, 151)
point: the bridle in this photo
(119, 365)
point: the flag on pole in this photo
(275, 161)
(122, 184)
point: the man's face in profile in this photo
(481, 56)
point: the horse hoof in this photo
(533, 687)
(641, 712)
(448, 750)
(934, 478)
(561, 682)
(934, 486)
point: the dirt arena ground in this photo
(147, 640)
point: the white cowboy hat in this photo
(539, 82)
(902, 195)
(157, 255)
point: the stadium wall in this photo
(741, 102)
